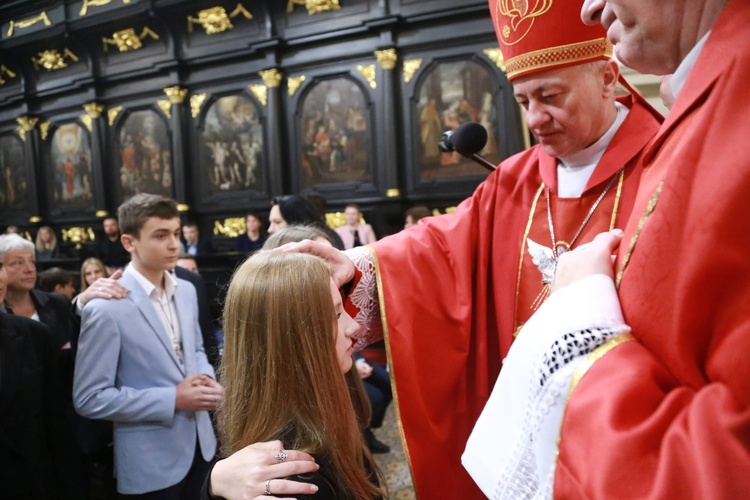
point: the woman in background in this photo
(288, 343)
(46, 243)
(91, 270)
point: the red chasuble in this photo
(668, 415)
(449, 290)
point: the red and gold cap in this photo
(539, 35)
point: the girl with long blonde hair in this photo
(288, 343)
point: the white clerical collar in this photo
(593, 153)
(683, 70)
(574, 171)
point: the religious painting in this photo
(14, 181)
(70, 163)
(231, 152)
(145, 155)
(335, 132)
(453, 93)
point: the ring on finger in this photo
(267, 487)
(281, 456)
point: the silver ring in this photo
(267, 488)
(281, 456)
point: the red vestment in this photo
(448, 292)
(668, 416)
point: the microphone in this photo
(468, 140)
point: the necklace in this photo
(176, 343)
(546, 258)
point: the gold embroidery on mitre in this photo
(521, 14)
(557, 56)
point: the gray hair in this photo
(13, 241)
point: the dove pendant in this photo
(545, 260)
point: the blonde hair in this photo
(87, 263)
(281, 376)
(40, 245)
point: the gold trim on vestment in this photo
(558, 56)
(616, 208)
(386, 337)
(516, 327)
(646, 214)
(582, 369)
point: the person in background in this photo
(109, 249)
(286, 331)
(252, 239)
(377, 384)
(294, 210)
(188, 263)
(57, 280)
(91, 270)
(194, 244)
(46, 243)
(11, 230)
(414, 214)
(38, 454)
(355, 233)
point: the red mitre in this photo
(538, 35)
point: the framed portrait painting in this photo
(335, 132)
(231, 147)
(70, 167)
(145, 155)
(14, 179)
(450, 94)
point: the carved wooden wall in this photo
(226, 104)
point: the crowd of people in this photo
(584, 333)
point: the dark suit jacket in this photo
(210, 345)
(38, 455)
(204, 246)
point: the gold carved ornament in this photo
(410, 67)
(496, 56)
(176, 94)
(165, 106)
(393, 193)
(25, 124)
(231, 228)
(127, 40)
(44, 130)
(35, 220)
(314, 6)
(29, 22)
(112, 114)
(94, 110)
(182, 207)
(369, 73)
(95, 3)
(216, 20)
(87, 122)
(196, 102)
(52, 60)
(293, 84)
(5, 71)
(260, 92)
(387, 58)
(78, 235)
(271, 77)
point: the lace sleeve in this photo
(363, 296)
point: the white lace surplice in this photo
(512, 450)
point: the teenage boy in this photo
(141, 363)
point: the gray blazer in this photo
(127, 371)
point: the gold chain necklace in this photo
(546, 258)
